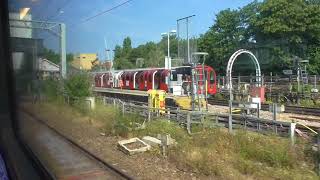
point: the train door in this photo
(212, 86)
(97, 80)
(103, 80)
(134, 82)
(138, 80)
(150, 79)
(131, 80)
(144, 81)
(164, 80)
(110, 80)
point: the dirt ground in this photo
(141, 166)
(288, 117)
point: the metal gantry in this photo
(188, 39)
(49, 26)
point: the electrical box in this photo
(157, 99)
(258, 92)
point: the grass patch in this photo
(211, 152)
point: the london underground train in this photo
(176, 81)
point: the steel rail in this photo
(288, 109)
(76, 145)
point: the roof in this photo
(46, 65)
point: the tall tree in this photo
(121, 58)
(127, 47)
(222, 39)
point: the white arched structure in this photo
(233, 59)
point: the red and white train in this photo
(176, 81)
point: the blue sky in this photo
(141, 20)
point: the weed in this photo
(211, 151)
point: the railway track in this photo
(106, 169)
(288, 109)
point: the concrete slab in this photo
(151, 141)
(124, 146)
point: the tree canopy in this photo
(55, 57)
(147, 55)
(275, 30)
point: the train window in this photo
(212, 77)
(206, 74)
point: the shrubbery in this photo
(77, 86)
(74, 87)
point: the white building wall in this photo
(20, 32)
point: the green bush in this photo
(50, 89)
(78, 86)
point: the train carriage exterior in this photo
(159, 78)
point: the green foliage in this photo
(51, 89)
(222, 39)
(162, 126)
(55, 57)
(126, 56)
(77, 86)
(275, 30)
(216, 152)
(314, 55)
(211, 152)
(121, 55)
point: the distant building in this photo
(85, 61)
(47, 68)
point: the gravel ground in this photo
(141, 166)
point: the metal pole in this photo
(292, 133)
(258, 105)
(275, 109)
(315, 81)
(189, 60)
(239, 81)
(230, 116)
(298, 79)
(270, 83)
(178, 37)
(63, 54)
(168, 46)
(192, 88)
(318, 154)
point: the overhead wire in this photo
(102, 12)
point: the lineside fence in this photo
(192, 119)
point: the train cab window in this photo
(206, 74)
(212, 80)
(174, 76)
